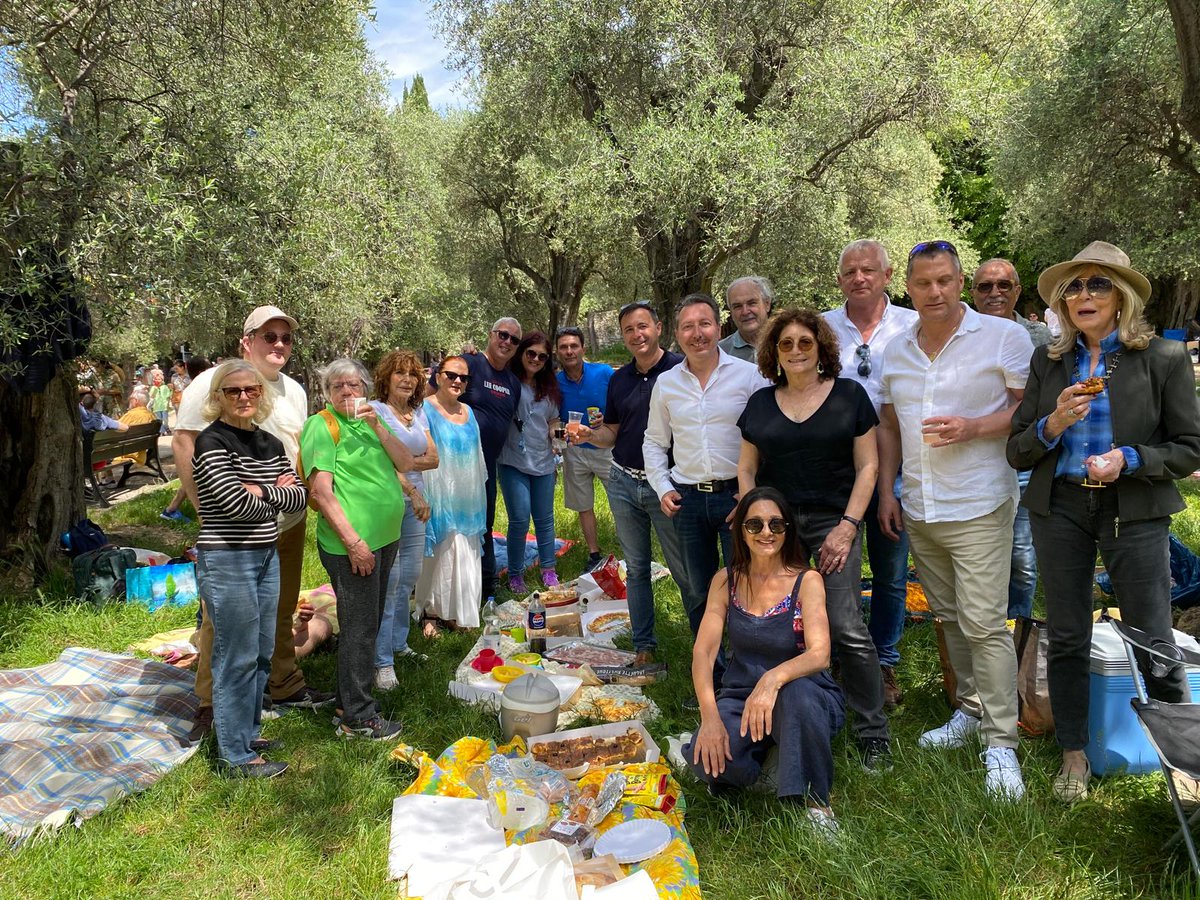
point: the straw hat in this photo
(1101, 253)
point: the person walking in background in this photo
(243, 480)
(526, 465)
(949, 389)
(584, 389)
(179, 382)
(399, 401)
(864, 326)
(1105, 463)
(750, 301)
(160, 402)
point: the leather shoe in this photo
(1070, 787)
(259, 745)
(202, 725)
(643, 658)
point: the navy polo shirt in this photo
(590, 390)
(629, 406)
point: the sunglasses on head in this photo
(506, 336)
(863, 352)
(272, 337)
(933, 247)
(1003, 286)
(1097, 286)
(787, 345)
(538, 355)
(252, 393)
(457, 376)
(775, 524)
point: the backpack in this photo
(83, 536)
(335, 432)
(100, 574)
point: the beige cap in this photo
(261, 315)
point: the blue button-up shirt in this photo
(1093, 435)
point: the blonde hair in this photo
(1132, 329)
(212, 410)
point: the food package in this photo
(579, 653)
(564, 624)
(631, 674)
(598, 871)
(608, 577)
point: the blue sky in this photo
(402, 37)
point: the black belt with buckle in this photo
(710, 487)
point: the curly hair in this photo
(405, 362)
(828, 350)
(545, 384)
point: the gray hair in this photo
(342, 367)
(998, 259)
(211, 410)
(506, 320)
(764, 288)
(865, 244)
(140, 393)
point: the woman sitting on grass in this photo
(777, 690)
(243, 481)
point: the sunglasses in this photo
(863, 352)
(272, 338)
(506, 336)
(1097, 286)
(539, 356)
(457, 376)
(1003, 286)
(787, 345)
(252, 393)
(776, 525)
(933, 247)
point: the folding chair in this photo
(1173, 729)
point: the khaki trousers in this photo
(964, 568)
(286, 678)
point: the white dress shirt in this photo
(896, 321)
(701, 421)
(971, 376)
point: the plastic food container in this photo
(529, 706)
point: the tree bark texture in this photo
(1186, 16)
(1174, 302)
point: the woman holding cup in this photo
(350, 459)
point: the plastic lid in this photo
(533, 692)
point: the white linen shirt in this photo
(984, 359)
(700, 421)
(896, 321)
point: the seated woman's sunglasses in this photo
(776, 524)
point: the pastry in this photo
(1091, 385)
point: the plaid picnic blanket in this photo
(79, 732)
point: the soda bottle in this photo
(536, 630)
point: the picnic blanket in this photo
(77, 733)
(675, 872)
(500, 542)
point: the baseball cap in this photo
(261, 315)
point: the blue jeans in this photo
(1022, 579)
(162, 421)
(635, 509)
(889, 586)
(702, 530)
(525, 496)
(241, 592)
(393, 627)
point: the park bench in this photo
(105, 446)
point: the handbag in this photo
(1033, 687)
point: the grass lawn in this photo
(923, 830)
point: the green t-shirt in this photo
(364, 480)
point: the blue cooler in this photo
(1116, 740)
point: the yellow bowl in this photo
(505, 674)
(527, 659)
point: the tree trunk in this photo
(1186, 16)
(673, 260)
(41, 471)
(1174, 302)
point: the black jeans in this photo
(1137, 557)
(360, 603)
(862, 681)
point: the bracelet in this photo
(355, 544)
(853, 521)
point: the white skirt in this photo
(449, 584)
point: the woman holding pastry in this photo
(776, 691)
(1109, 420)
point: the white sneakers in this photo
(954, 733)
(385, 678)
(1003, 780)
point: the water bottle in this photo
(536, 628)
(491, 636)
(490, 613)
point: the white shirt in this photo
(701, 421)
(287, 418)
(985, 358)
(896, 321)
(1052, 322)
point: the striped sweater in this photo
(231, 517)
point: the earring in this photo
(820, 369)
(778, 368)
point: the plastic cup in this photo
(517, 633)
(574, 421)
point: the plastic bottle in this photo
(491, 636)
(490, 613)
(536, 629)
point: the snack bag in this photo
(608, 577)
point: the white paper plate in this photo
(634, 841)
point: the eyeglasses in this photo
(1003, 286)
(933, 247)
(1097, 286)
(787, 345)
(346, 386)
(457, 376)
(863, 352)
(506, 336)
(272, 338)
(776, 525)
(252, 393)
(538, 356)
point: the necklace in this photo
(932, 354)
(406, 418)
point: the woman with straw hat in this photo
(1108, 422)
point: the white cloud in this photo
(403, 38)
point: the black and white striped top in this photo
(232, 517)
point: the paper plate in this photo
(634, 841)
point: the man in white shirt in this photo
(865, 325)
(694, 410)
(267, 338)
(750, 300)
(949, 389)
